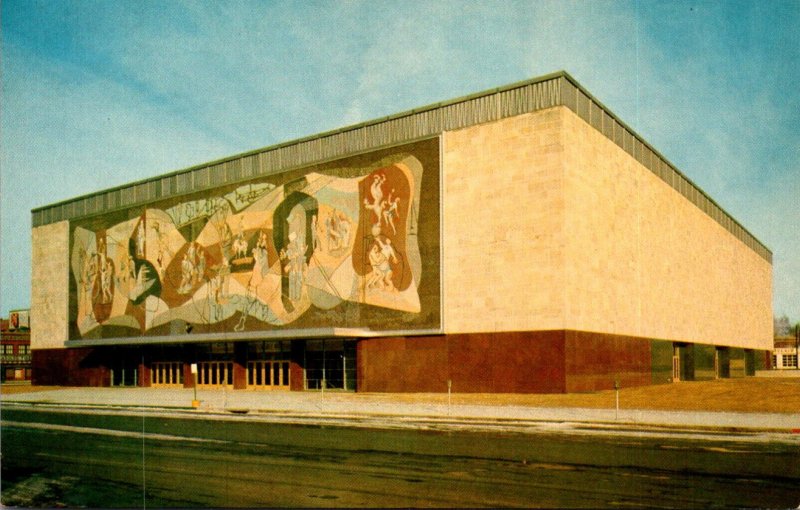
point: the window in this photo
(24, 349)
(790, 361)
(8, 349)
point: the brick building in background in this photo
(15, 345)
(522, 239)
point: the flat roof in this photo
(557, 89)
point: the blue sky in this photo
(101, 93)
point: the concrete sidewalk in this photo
(384, 410)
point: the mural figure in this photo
(240, 246)
(314, 233)
(89, 274)
(390, 213)
(140, 240)
(381, 258)
(337, 231)
(376, 191)
(295, 267)
(106, 276)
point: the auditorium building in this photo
(522, 239)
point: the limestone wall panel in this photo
(49, 285)
(643, 260)
(502, 225)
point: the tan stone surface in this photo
(643, 260)
(547, 224)
(49, 285)
(502, 225)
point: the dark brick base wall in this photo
(69, 367)
(515, 362)
(529, 362)
(510, 362)
(596, 361)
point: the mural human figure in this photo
(344, 230)
(376, 261)
(106, 275)
(261, 266)
(163, 249)
(390, 258)
(332, 232)
(381, 258)
(391, 212)
(140, 237)
(187, 270)
(376, 191)
(201, 265)
(89, 279)
(314, 234)
(337, 231)
(240, 246)
(295, 256)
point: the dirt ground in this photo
(10, 389)
(736, 395)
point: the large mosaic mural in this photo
(276, 252)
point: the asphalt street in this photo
(148, 457)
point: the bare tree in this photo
(782, 326)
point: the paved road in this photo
(113, 458)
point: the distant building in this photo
(784, 354)
(15, 347)
(522, 239)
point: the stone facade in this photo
(503, 232)
(49, 285)
(565, 230)
(641, 260)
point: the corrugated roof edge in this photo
(325, 134)
(407, 113)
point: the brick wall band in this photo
(510, 362)
(69, 367)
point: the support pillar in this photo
(722, 363)
(240, 366)
(683, 361)
(188, 376)
(145, 379)
(296, 365)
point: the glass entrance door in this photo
(268, 375)
(166, 374)
(330, 364)
(215, 374)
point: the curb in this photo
(421, 421)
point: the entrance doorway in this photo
(268, 375)
(124, 375)
(215, 374)
(167, 374)
(330, 364)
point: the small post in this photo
(195, 402)
(449, 388)
(616, 391)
